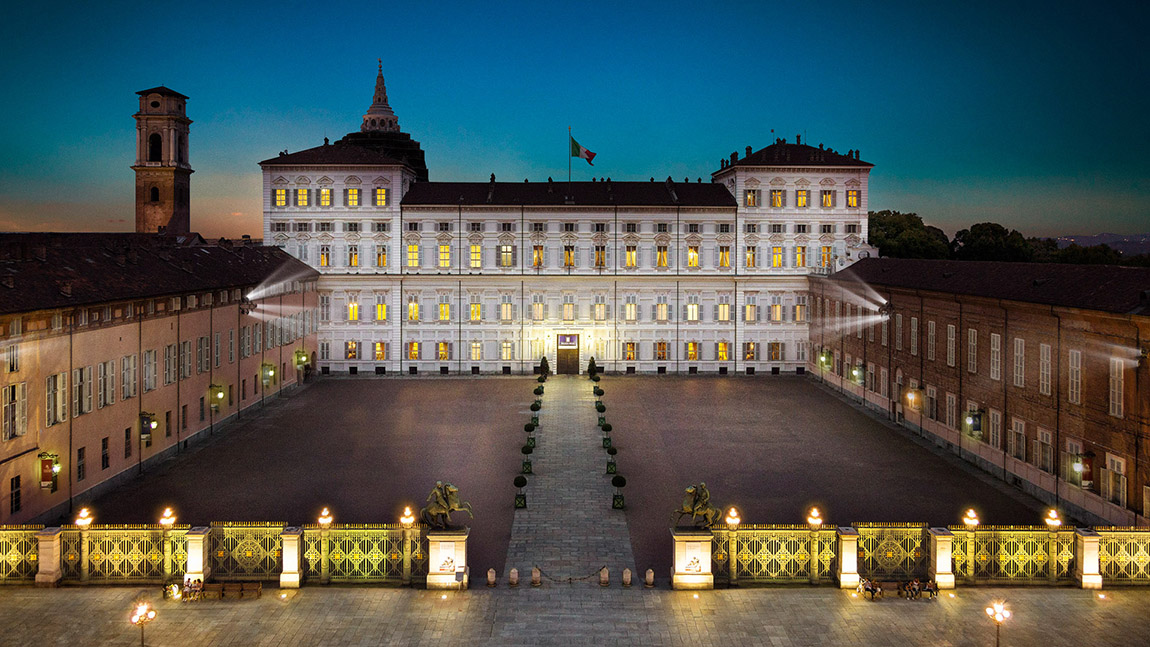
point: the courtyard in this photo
(366, 448)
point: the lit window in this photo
(538, 309)
(749, 351)
(281, 197)
(568, 256)
(692, 256)
(776, 309)
(778, 198)
(600, 256)
(776, 256)
(537, 255)
(853, 199)
(325, 197)
(661, 256)
(351, 350)
(723, 308)
(661, 309)
(751, 198)
(444, 256)
(353, 256)
(661, 351)
(381, 256)
(724, 256)
(692, 351)
(443, 351)
(325, 256)
(506, 256)
(629, 351)
(801, 309)
(412, 308)
(775, 351)
(751, 309)
(505, 308)
(476, 312)
(568, 307)
(801, 256)
(476, 351)
(752, 252)
(722, 351)
(380, 309)
(476, 257)
(353, 311)
(693, 308)
(412, 350)
(301, 196)
(444, 308)
(380, 351)
(826, 256)
(507, 351)
(631, 309)
(632, 256)
(380, 197)
(413, 255)
(600, 307)
(802, 198)
(828, 198)
(352, 197)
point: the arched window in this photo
(155, 148)
(155, 194)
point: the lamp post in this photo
(815, 521)
(325, 519)
(142, 614)
(166, 522)
(999, 614)
(970, 520)
(1054, 523)
(733, 522)
(82, 522)
(407, 521)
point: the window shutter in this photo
(450, 350)
(575, 256)
(716, 257)
(654, 256)
(21, 408)
(314, 198)
(544, 310)
(671, 256)
(607, 260)
(716, 355)
(757, 315)
(514, 256)
(638, 256)
(88, 388)
(75, 391)
(345, 197)
(62, 401)
(608, 308)
(683, 309)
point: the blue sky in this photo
(1033, 115)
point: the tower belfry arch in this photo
(163, 175)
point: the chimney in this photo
(550, 185)
(734, 157)
(748, 151)
(856, 154)
(798, 139)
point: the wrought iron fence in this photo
(125, 553)
(773, 554)
(1013, 555)
(19, 554)
(1124, 555)
(357, 552)
(892, 551)
(70, 552)
(246, 551)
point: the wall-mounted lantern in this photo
(148, 424)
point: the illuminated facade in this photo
(487, 277)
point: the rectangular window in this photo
(353, 255)
(506, 309)
(149, 370)
(600, 308)
(443, 351)
(380, 307)
(632, 259)
(801, 256)
(661, 256)
(631, 308)
(600, 256)
(995, 436)
(56, 399)
(14, 411)
(776, 256)
(972, 350)
(412, 350)
(826, 256)
(629, 351)
(301, 196)
(568, 307)
(280, 197)
(444, 256)
(1017, 440)
(380, 197)
(351, 350)
(692, 349)
(506, 256)
(381, 255)
(325, 256)
(380, 351)
(379, 227)
(476, 257)
(413, 256)
(413, 308)
(12, 356)
(778, 198)
(661, 308)
(930, 340)
(326, 226)
(538, 308)
(568, 256)
(1074, 375)
(723, 351)
(444, 307)
(692, 256)
(775, 351)
(951, 334)
(852, 228)
(693, 308)
(325, 197)
(81, 390)
(1044, 369)
(476, 351)
(752, 253)
(853, 199)
(751, 198)
(724, 255)
(475, 311)
(897, 331)
(801, 309)
(128, 437)
(803, 198)
(1019, 362)
(914, 335)
(660, 351)
(105, 459)
(751, 308)
(508, 227)
(352, 198)
(81, 470)
(14, 495)
(507, 351)
(1116, 387)
(353, 311)
(995, 356)
(750, 351)
(776, 311)
(828, 199)
(537, 255)
(1044, 451)
(631, 227)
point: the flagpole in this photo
(568, 161)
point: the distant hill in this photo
(1128, 245)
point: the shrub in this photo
(595, 377)
(618, 481)
(598, 392)
(529, 427)
(535, 406)
(520, 481)
(611, 451)
(600, 408)
(526, 450)
(591, 368)
(541, 379)
(606, 427)
(544, 367)
(538, 390)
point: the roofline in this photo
(867, 166)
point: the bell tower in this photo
(163, 176)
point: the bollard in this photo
(649, 579)
(536, 576)
(490, 577)
(604, 577)
(627, 578)
(513, 577)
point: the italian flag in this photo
(580, 152)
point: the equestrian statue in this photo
(697, 503)
(441, 502)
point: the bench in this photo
(212, 592)
(232, 591)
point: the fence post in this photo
(447, 559)
(292, 537)
(199, 554)
(732, 546)
(941, 571)
(848, 566)
(814, 554)
(49, 573)
(692, 569)
(407, 532)
(324, 552)
(1086, 563)
(971, 551)
(167, 541)
(1052, 556)
(84, 552)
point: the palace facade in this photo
(661, 276)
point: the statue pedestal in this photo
(692, 559)
(447, 559)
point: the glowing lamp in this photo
(300, 359)
(408, 518)
(814, 518)
(970, 519)
(1077, 466)
(85, 519)
(325, 519)
(969, 420)
(56, 468)
(733, 520)
(1052, 519)
(143, 613)
(998, 612)
(168, 519)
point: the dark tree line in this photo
(905, 235)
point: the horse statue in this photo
(441, 502)
(697, 503)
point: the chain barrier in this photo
(570, 580)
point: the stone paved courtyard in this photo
(560, 614)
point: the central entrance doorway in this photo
(567, 362)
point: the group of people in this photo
(192, 589)
(910, 590)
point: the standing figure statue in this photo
(697, 503)
(441, 502)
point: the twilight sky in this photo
(1031, 114)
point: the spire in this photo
(379, 116)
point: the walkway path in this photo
(568, 529)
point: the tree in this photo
(903, 235)
(544, 367)
(989, 241)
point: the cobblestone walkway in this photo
(569, 529)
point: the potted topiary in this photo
(538, 390)
(602, 421)
(617, 499)
(530, 429)
(537, 405)
(592, 370)
(544, 368)
(520, 496)
(600, 407)
(526, 451)
(595, 377)
(541, 379)
(598, 392)
(535, 421)
(606, 435)
(611, 467)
